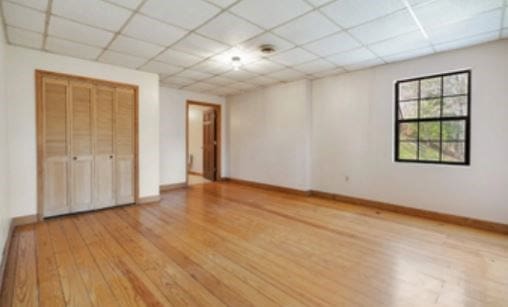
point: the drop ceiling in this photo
(190, 43)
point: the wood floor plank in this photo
(426, 259)
(176, 284)
(73, 287)
(7, 291)
(213, 284)
(222, 268)
(305, 261)
(26, 291)
(98, 289)
(279, 270)
(50, 288)
(135, 286)
(223, 244)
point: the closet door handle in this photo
(74, 158)
(111, 157)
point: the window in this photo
(433, 119)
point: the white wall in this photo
(4, 182)
(20, 87)
(172, 133)
(270, 135)
(196, 137)
(351, 120)
(353, 124)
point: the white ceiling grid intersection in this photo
(189, 43)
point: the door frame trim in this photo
(39, 74)
(218, 111)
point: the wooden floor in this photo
(231, 245)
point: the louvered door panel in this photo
(55, 144)
(124, 134)
(81, 112)
(104, 147)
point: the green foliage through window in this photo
(433, 119)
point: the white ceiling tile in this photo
(243, 86)
(405, 42)
(229, 29)
(267, 38)
(317, 3)
(327, 73)
(223, 91)
(24, 38)
(74, 31)
(314, 66)
(194, 75)
(293, 57)
(160, 68)
(40, 5)
(199, 45)
(169, 85)
(352, 57)
(418, 2)
(263, 67)
(199, 87)
(350, 13)
(178, 58)
(384, 28)
(307, 28)
(411, 54)
(212, 67)
(220, 80)
(468, 41)
(153, 31)
(66, 47)
(178, 81)
(135, 47)
(364, 64)
(96, 13)
(263, 80)
(440, 12)
(22, 17)
(120, 59)
(222, 3)
(336, 43)
(130, 4)
(269, 13)
(239, 75)
(483, 23)
(184, 13)
(287, 75)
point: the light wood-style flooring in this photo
(197, 179)
(224, 244)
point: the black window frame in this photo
(441, 119)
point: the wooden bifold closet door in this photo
(86, 144)
(104, 147)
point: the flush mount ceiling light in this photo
(236, 62)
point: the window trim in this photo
(467, 119)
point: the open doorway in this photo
(203, 142)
